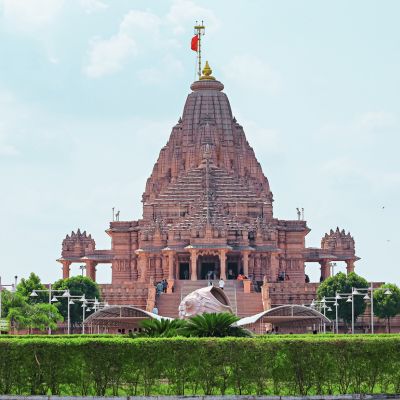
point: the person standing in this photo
(221, 284)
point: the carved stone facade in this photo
(207, 212)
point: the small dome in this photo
(207, 85)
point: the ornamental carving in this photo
(205, 300)
(337, 240)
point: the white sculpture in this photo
(205, 300)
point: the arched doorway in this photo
(184, 271)
(208, 267)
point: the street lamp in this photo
(13, 289)
(52, 297)
(95, 303)
(362, 292)
(333, 266)
(371, 289)
(321, 304)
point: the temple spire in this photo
(207, 155)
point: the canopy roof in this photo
(286, 314)
(113, 315)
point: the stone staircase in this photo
(167, 304)
(243, 304)
(249, 304)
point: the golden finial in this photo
(207, 71)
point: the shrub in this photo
(279, 365)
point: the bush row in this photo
(178, 366)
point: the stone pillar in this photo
(257, 268)
(274, 267)
(193, 265)
(158, 268)
(171, 276)
(66, 269)
(171, 255)
(247, 286)
(142, 266)
(222, 260)
(251, 265)
(246, 263)
(325, 269)
(165, 264)
(350, 266)
(134, 271)
(91, 270)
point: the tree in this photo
(10, 300)
(34, 316)
(77, 286)
(26, 286)
(387, 305)
(342, 283)
(160, 328)
(213, 325)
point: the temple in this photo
(208, 214)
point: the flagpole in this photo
(199, 29)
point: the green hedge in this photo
(279, 365)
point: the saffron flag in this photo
(194, 45)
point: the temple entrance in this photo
(232, 270)
(184, 271)
(208, 267)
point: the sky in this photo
(90, 89)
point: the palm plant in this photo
(159, 328)
(213, 325)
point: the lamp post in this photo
(84, 306)
(333, 265)
(13, 289)
(52, 297)
(324, 301)
(82, 268)
(371, 289)
(336, 304)
(322, 305)
(95, 303)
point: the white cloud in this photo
(108, 56)
(136, 21)
(348, 169)
(5, 148)
(91, 6)
(375, 120)
(183, 12)
(362, 129)
(10, 113)
(153, 75)
(259, 75)
(260, 137)
(29, 15)
(143, 31)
